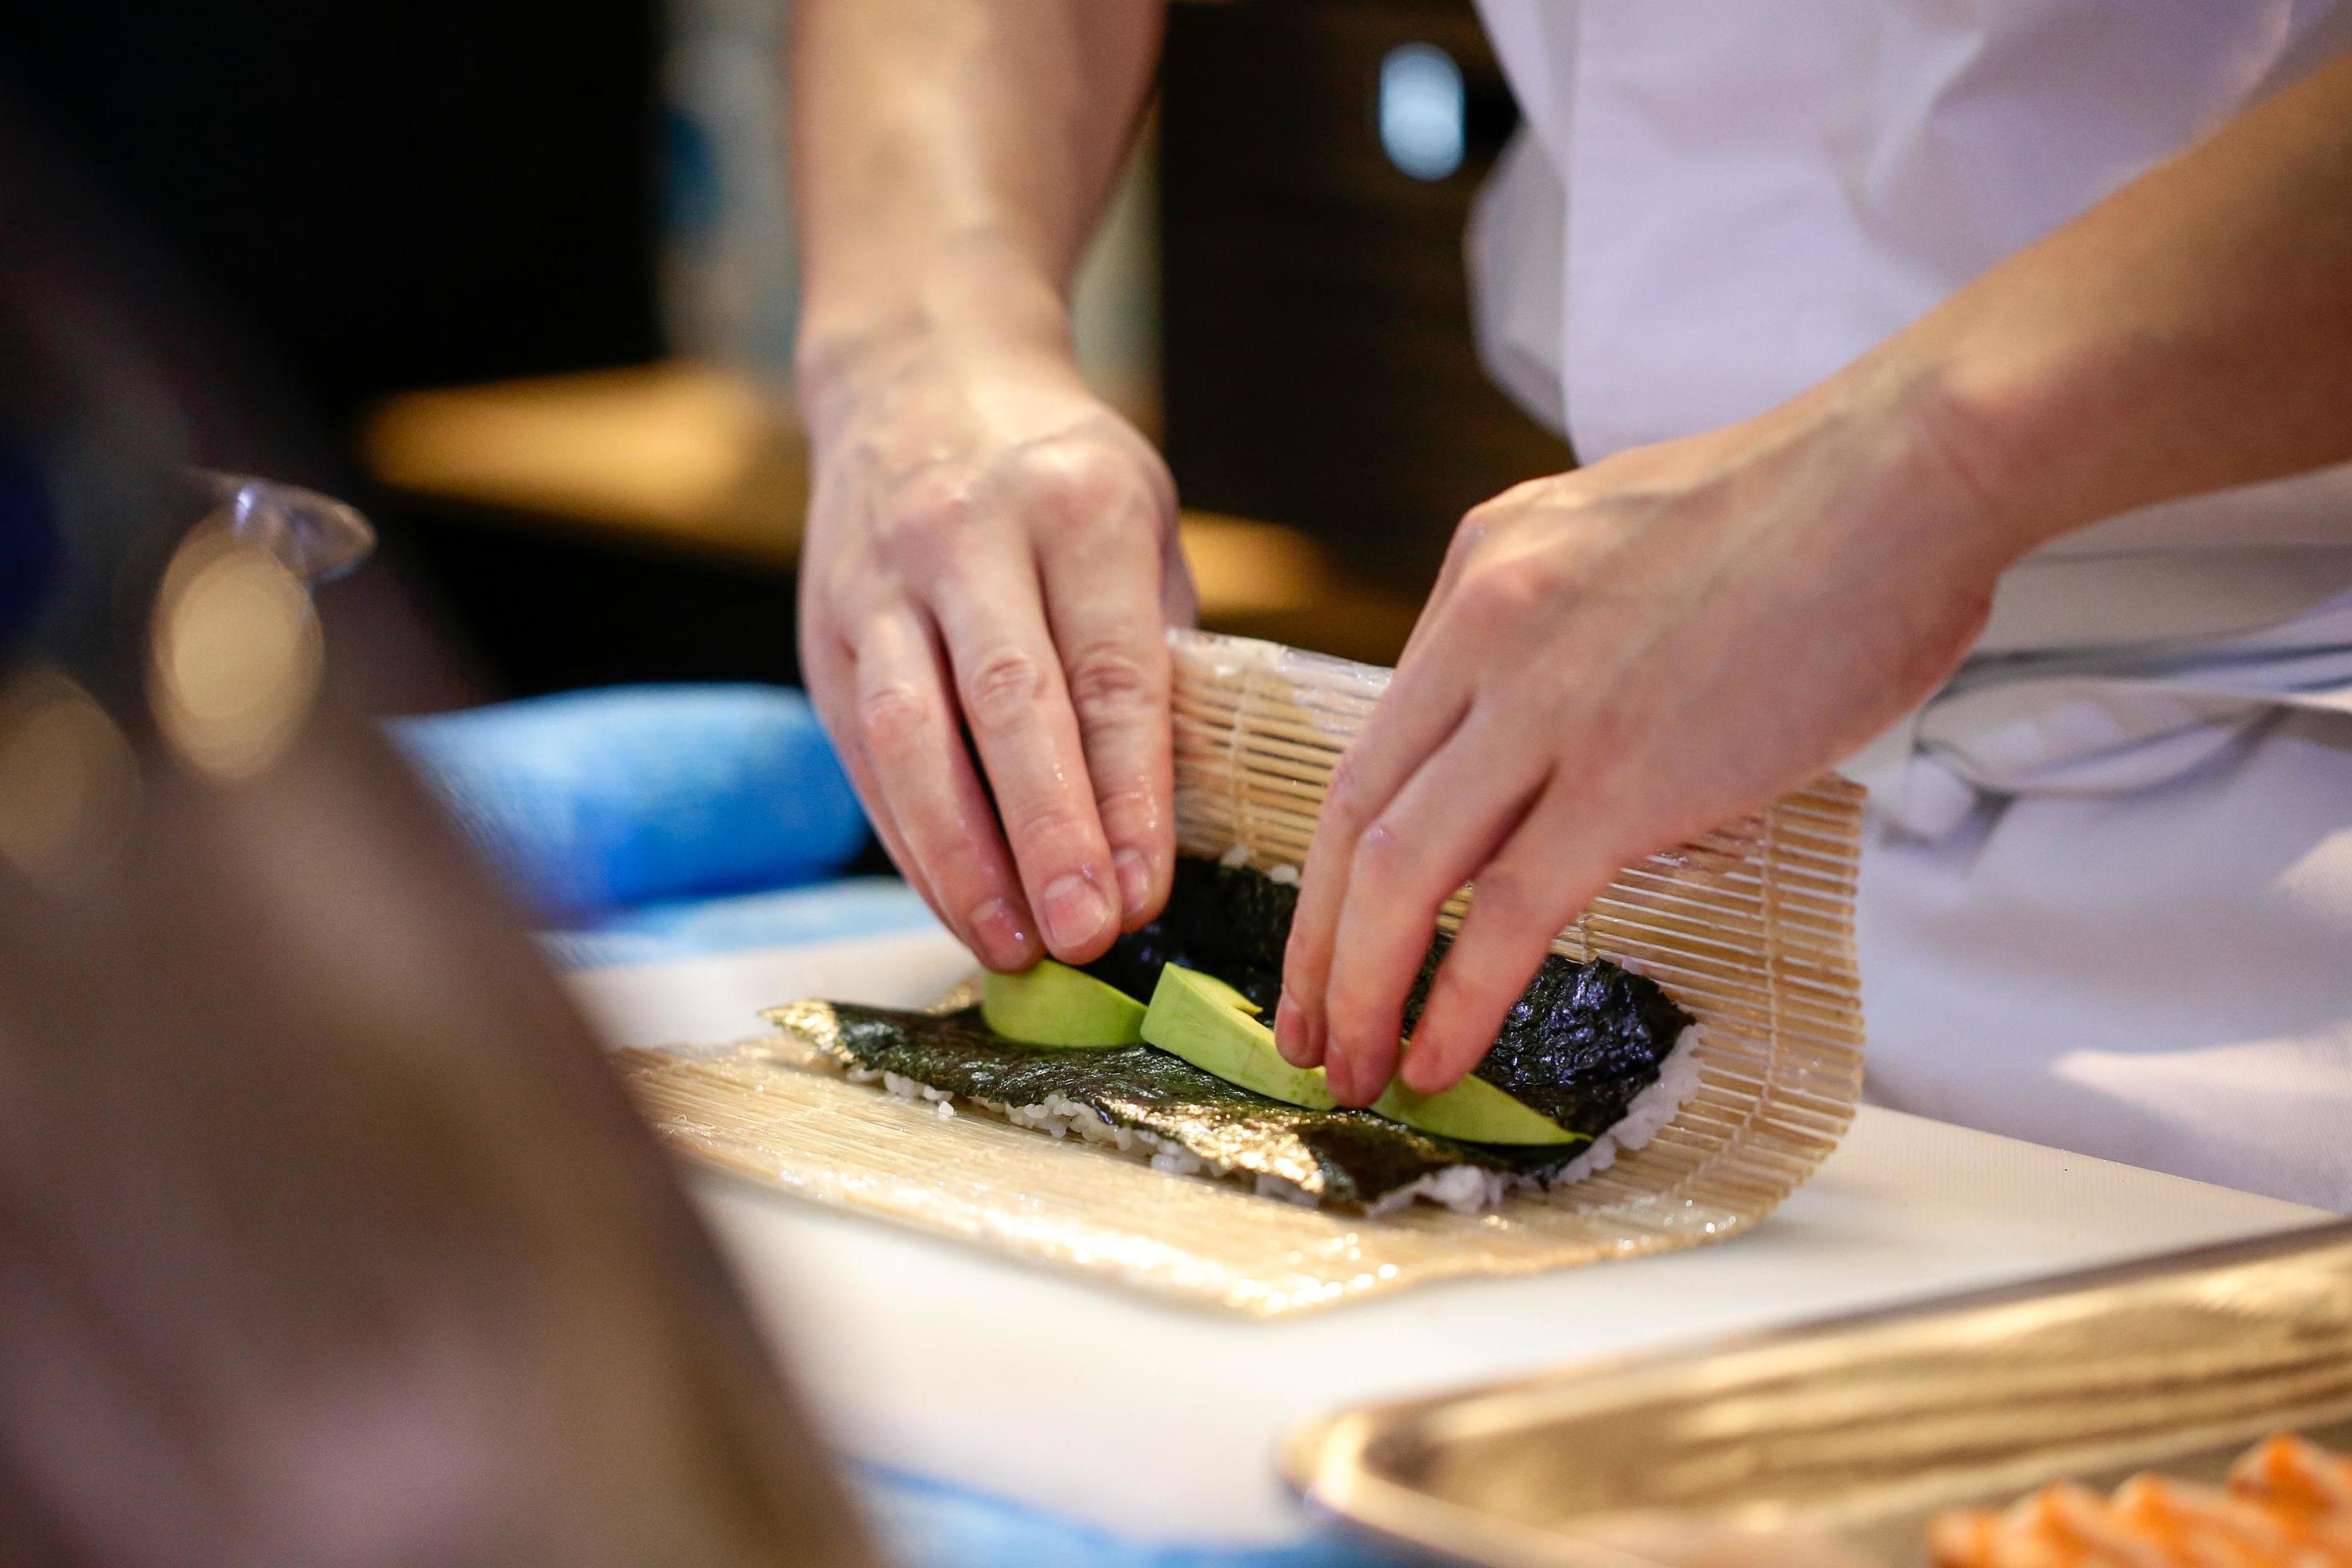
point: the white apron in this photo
(2108, 898)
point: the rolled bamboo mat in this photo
(1750, 927)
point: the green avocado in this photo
(1200, 1018)
(1051, 1004)
(1474, 1111)
(1213, 1026)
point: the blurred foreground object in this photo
(328, 1237)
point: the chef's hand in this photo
(1615, 660)
(991, 550)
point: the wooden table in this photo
(701, 462)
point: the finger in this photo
(1103, 603)
(927, 781)
(1448, 821)
(830, 675)
(1553, 864)
(1414, 718)
(1009, 679)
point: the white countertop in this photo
(1162, 1420)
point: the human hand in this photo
(1612, 661)
(991, 549)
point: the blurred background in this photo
(530, 264)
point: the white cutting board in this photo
(1162, 1421)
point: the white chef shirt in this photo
(1714, 205)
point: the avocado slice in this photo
(1200, 1018)
(1474, 1111)
(1051, 1004)
(1209, 1024)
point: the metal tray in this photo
(1834, 1443)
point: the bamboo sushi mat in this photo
(1750, 927)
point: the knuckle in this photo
(1509, 900)
(1343, 798)
(1048, 485)
(1091, 490)
(1001, 687)
(1488, 594)
(1128, 812)
(1496, 513)
(1083, 470)
(1085, 481)
(1109, 682)
(1382, 861)
(1510, 591)
(1045, 826)
(1479, 522)
(1468, 536)
(933, 512)
(890, 717)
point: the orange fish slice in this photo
(2288, 1505)
(1963, 1538)
(2209, 1526)
(2295, 1473)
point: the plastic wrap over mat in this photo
(1750, 928)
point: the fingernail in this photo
(1290, 1034)
(1134, 879)
(996, 929)
(1075, 910)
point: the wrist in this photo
(859, 338)
(1971, 438)
(2053, 429)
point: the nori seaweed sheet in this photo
(1342, 1159)
(1582, 1042)
(1226, 920)
(1580, 1045)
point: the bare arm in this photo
(2192, 333)
(1621, 658)
(951, 158)
(989, 548)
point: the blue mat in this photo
(595, 801)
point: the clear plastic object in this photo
(315, 537)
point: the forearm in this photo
(2193, 331)
(951, 160)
